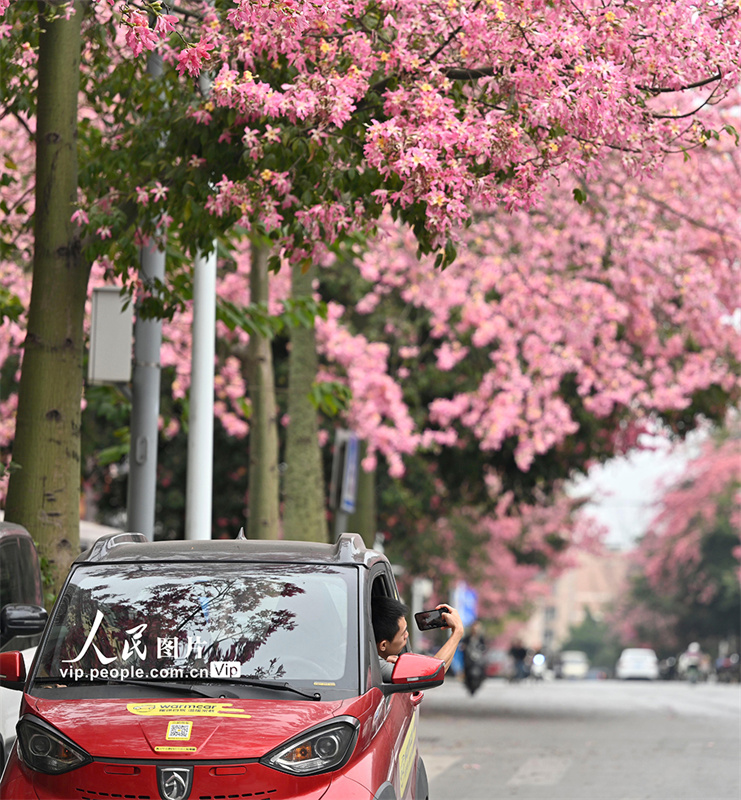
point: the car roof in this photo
(13, 529)
(349, 549)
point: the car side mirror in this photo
(19, 619)
(413, 672)
(12, 670)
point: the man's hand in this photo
(452, 618)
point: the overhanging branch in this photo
(698, 85)
(472, 74)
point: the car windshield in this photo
(200, 622)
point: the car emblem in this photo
(174, 783)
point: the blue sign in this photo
(350, 476)
(466, 600)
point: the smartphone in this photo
(430, 619)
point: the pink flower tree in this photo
(618, 310)
(459, 321)
(685, 584)
(320, 116)
(15, 288)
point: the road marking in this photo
(543, 771)
(436, 765)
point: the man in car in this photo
(390, 629)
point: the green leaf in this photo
(11, 307)
(730, 129)
(116, 452)
(580, 195)
(330, 397)
(13, 466)
(448, 256)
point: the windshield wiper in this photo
(168, 687)
(189, 686)
(171, 687)
(280, 686)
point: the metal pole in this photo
(145, 406)
(340, 524)
(145, 390)
(199, 486)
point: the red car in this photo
(218, 669)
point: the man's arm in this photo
(453, 621)
(387, 667)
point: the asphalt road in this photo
(568, 740)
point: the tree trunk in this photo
(44, 495)
(263, 516)
(304, 509)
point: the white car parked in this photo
(637, 663)
(573, 665)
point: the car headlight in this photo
(46, 750)
(321, 749)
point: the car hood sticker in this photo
(186, 710)
(407, 755)
(180, 730)
(223, 728)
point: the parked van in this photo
(572, 664)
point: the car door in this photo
(403, 722)
(401, 713)
(20, 582)
(20, 576)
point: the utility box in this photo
(111, 337)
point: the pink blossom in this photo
(165, 24)
(139, 36)
(191, 60)
(448, 355)
(158, 192)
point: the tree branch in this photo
(657, 90)
(472, 74)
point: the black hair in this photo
(386, 612)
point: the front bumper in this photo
(105, 780)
